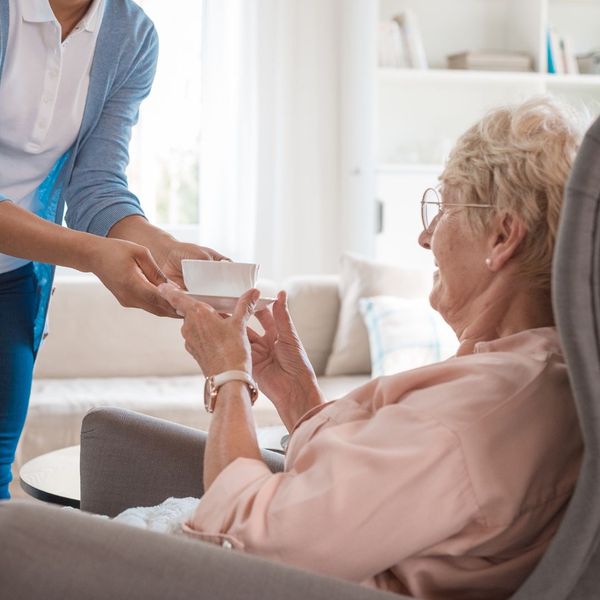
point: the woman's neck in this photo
(499, 313)
(68, 13)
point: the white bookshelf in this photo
(420, 113)
(458, 77)
(590, 82)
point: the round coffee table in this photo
(53, 477)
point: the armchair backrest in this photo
(570, 567)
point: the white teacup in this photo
(218, 278)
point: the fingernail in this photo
(253, 299)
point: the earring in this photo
(488, 262)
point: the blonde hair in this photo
(518, 158)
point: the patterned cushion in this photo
(405, 333)
(363, 278)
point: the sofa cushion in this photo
(314, 304)
(361, 278)
(92, 335)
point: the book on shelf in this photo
(556, 63)
(570, 62)
(390, 48)
(550, 66)
(485, 60)
(412, 42)
(589, 63)
(561, 58)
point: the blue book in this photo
(551, 57)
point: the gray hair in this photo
(518, 158)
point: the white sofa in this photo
(100, 354)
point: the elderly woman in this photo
(446, 481)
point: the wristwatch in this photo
(214, 382)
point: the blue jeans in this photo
(18, 301)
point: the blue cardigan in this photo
(90, 178)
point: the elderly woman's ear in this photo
(506, 234)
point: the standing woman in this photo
(72, 76)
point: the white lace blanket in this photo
(166, 517)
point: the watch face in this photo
(209, 393)
(253, 393)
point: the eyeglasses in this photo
(431, 207)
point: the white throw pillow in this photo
(405, 333)
(362, 278)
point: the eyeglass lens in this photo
(430, 207)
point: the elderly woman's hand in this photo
(218, 344)
(280, 365)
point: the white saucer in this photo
(226, 304)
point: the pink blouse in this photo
(446, 481)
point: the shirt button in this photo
(227, 545)
(47, 99)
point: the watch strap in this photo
(221, 378)
(215, 382)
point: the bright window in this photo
(165, 147)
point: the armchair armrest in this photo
(129, 459)
(54, 554)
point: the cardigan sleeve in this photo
(97, 195)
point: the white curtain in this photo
(270, 133)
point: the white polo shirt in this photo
(43, 90)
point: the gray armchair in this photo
(128, 460)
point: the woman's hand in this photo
(217, 343)
(167, 251)
(177, 251)
(129, 271)
(280, 365)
